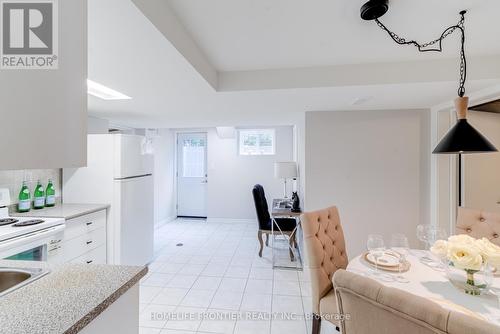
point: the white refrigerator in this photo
(118, 173)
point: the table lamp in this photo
(285, 170)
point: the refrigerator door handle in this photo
(132, 177)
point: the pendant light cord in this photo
(436, 46)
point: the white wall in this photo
(97, 125)
(44, 112)
(374, 166)
(231, 177)
(164, 169)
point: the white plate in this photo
(389, 259)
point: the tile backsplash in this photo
(12, 180)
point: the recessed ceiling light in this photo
(103, 92)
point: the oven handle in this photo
(30, 237)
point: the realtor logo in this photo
(29, 37)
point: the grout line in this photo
(236, 242)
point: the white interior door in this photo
(192, 175)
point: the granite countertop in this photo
(63, 210)
(67, 299)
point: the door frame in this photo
(176, 165)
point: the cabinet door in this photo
(44, 111)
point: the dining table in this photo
(430, 281)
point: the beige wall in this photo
(374, 166)
(482, 171)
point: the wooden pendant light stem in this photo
(461, 105)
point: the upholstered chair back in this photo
(261, 207)
(479, 224)
(374, 308)
(325, 249)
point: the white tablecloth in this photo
(433, 284)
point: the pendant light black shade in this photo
(463, 138)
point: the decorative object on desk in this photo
(295, 202)
(285, 170)
(470, 262)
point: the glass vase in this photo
(472, 282)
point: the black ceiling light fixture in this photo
(374, 9)
(462, 138)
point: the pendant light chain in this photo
(426, 47)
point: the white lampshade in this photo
(285, 170)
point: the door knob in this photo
(204, 181)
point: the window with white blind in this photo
(257, 141)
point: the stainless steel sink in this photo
(14, 278)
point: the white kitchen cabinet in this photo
(85, 239)
(95, 256)
(44, 112)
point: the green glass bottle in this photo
(50, 194)
(39, 196)
(24, 204)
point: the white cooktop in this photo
(10, 231)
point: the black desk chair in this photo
(287, 225)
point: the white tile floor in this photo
(217, 283)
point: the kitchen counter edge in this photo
(63, 210)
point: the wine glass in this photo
(376, 247)
(400, 245)
(429, 234)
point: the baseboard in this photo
(165, 221)
(231, 220)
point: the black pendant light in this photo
(463, 138)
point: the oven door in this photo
(33, 246)
(38, 253)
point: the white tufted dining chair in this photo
(369, 307)
(479, 224)
(326, 253)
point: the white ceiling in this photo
(172, 80)
(249, 34)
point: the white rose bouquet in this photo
(468, 254)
